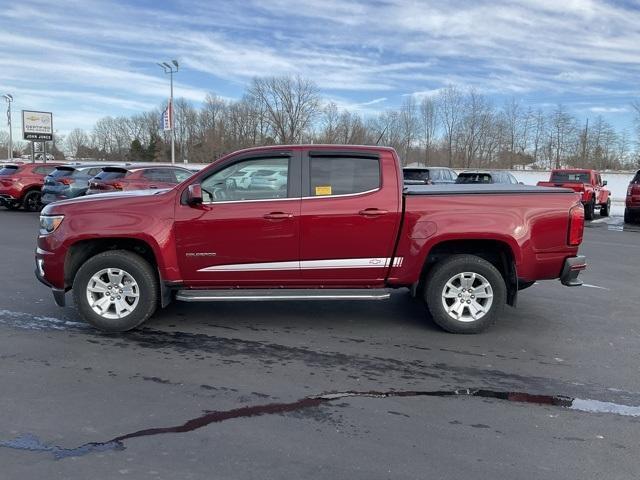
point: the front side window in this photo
(343, 175)
(259, 179)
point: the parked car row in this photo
(444, 176)
(32, 185)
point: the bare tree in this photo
(290, 104)
(450, 100)
(429, 124)
(75, 141)
(408, 120)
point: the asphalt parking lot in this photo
(236, 390)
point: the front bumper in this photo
(58, 293)
(571, 269)
(7, 199)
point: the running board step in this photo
(281, 294)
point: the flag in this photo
(167, 115)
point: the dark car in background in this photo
(487, 176)
(68, 181)
(632, 202)
(428, 175)
(20, 184)
(137, 177)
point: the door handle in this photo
(153, 186)
(372, 212)
(278, 216)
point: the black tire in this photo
(31, 201)
(137, 268)
(12, 205)
(589, 210)
(628, 216)
(444, 271)
(605, 209)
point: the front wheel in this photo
(116, 291)
(465, 294)
(605, 208)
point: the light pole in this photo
(9, 99)
(171, 69)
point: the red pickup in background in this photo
(588, 183)
(339, 226)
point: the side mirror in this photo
(604, 183)
(520, 183)
(194, 194)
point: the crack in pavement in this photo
(30, 442)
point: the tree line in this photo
(453, 127)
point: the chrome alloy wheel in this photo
(113, 293)
(467, 297)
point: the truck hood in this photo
(103, 199)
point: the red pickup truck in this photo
(589, 184)
(341, 226)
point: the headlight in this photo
(49, 223)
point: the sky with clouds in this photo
(84, 59)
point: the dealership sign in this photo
(37, 126)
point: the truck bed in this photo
(479, 189)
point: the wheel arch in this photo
(80, 251)
(497, 252)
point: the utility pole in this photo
(584, 143)
(171, 69)
(9, 99)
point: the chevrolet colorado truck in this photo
(343, 227)
(590, 186)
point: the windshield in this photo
(474, 178)
(570, 177)
(416, 174)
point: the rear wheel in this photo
(116, 291)
(31, 201)
(628, 216)
(589, 209)
(465, 294)
(605, 208)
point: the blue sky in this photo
(87, 59)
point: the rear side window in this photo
(92, 172)
(636, 179)
(182, 175)
(111, 174)
(62, 172)
(343, 175)
(8, 170)
(43, 170)
(164, 175)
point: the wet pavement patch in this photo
(30, 442)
